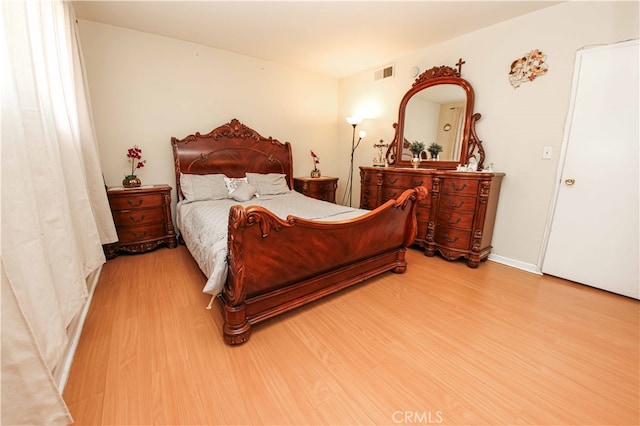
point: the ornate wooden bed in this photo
(277, 265)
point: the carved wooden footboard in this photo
(276, 265)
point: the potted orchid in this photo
(134, 156)
(315, 173)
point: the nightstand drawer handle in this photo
(133, 218)
(453, 186)
(135, 234)
(132, 204)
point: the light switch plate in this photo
(547, 152)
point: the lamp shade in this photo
(354, 121)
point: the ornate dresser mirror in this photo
(438, 109)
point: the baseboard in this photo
(528, 267)
(61, 373)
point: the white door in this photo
(594, 228)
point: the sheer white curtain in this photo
(55, 213)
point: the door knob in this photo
(570, 181)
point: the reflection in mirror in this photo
(438, 108)
(436, 114)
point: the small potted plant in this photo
(434, 149)
(416, 148)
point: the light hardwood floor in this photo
(442, 343)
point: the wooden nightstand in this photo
(322, 188)
(142, 217)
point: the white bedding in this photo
(203, 225)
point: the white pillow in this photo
(269, 183)
(203, 187)
(233, 183)
(244, 192)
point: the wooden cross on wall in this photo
(459, 65)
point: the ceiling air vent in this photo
(385, 72)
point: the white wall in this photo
(516, 123)
(145, 89)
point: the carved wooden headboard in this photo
(232, 149)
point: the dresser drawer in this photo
(368, 197)
(458, 203)
(130, 234)
(368, 178)
(423, 227)
(458, 219)
(391, 194)
(423, 213)
(427, 200)
(135, 202)
(138, 217)
(460, 186)
(453, 238)
(405, 181)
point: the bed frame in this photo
(276, 265)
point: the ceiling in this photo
(336, 38)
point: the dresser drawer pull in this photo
(453, 186)
(456, 206)
(133, 218)
(132, 204)
(135, 234)
(393, 180)
(453, 222)
(418, 183)
(446, 237)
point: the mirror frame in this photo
(471, 146)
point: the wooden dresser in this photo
(457, 217)
(322, 188)
(142, 217)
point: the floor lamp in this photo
(354, 121)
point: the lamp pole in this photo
(354, 121)
(353, 149)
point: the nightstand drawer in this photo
(130, 234)
(138, 217)
(322, 188)
(142, 217)
(129, 202)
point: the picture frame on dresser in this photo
(142, 217)
(457, 217)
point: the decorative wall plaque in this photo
(527, 68)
